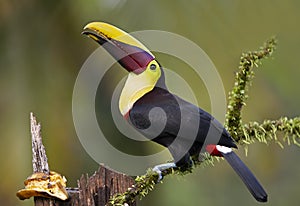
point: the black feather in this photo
(247, 177)
(188, 124)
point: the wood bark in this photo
(91, 191)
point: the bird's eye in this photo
(152, 66)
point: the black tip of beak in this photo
(94, 35)
(88, 32)
(85, 32)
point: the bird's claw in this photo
(160, 168)
(158, 171)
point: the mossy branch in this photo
(246, 134)
(243, 78)
(266, 132)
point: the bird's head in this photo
(144, 71)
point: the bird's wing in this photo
(176, 123)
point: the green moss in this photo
(243, 78)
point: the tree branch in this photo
(266, 132)
(243, 78)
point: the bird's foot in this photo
(160, 168)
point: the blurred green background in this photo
(42, 51)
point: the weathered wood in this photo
(39, 157)
(103, 184)
(92, 191)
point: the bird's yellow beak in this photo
(144, 70)
(127, 50)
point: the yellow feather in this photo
(137, 85)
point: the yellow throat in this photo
(137, 85)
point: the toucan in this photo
(163, 117)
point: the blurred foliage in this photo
(41, 52)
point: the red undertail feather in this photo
(212, 150)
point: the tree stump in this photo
(92, 191)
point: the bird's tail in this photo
(241, 169)
(247, 176)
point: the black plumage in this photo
(186, 130)
(177, 124)
(247, 177)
